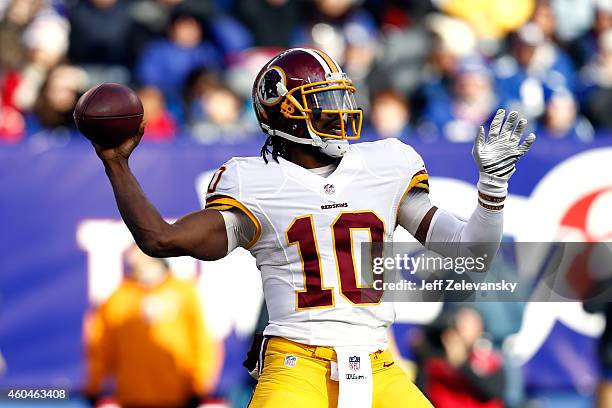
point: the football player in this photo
(298, 209)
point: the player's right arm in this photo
(201, 234)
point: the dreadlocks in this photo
(274, 146)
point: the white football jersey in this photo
(309, 230)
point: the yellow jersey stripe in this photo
(422, 186)
(219, 207)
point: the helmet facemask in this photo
(328, 107)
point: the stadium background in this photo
(428, 73)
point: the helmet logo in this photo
(266, 88)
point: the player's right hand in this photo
(121, 152)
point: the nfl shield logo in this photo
(290, 360)
(329, 189)
(354, 363)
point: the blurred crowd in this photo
(425, 69)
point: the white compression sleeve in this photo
(240, 229)
(446, 231)
(413, 208)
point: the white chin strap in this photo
(329, 146)
(334, 147)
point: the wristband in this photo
(492, 185)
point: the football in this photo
(108, 114)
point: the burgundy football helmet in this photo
(296, 89)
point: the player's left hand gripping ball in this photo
(496, 156)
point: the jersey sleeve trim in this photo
(224, 203)
(419, 180)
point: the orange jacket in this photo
(154, 343)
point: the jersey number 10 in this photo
(301, 233)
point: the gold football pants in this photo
(296, 375)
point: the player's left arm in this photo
(496, 158)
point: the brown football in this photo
(108, 114)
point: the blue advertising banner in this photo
(55, 204)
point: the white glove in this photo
(496, 156)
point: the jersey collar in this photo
(340, 178)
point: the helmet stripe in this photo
(330, 62)
(319, 59)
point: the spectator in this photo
(149, 336)
(398, 14)
(389, 117)
(565, 21)
(34, 36)
(562, 119)
(271, 21)
(457, 116)
(399, 60)
(161, 126)
(12, 124)
(91, 45)
(150, 19)
(17, 16)
(55, 103)
(46, 40)
(222, 30)
(217, 115)
(9, 82)
(573, 18)
(459, 369)
(544, 18)
(331, 25)
(358, 60)
(244, 68)
(166, 63)
(535, 64)
(603, 16)
(587, 45)
(596, 78)
(452, 40)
